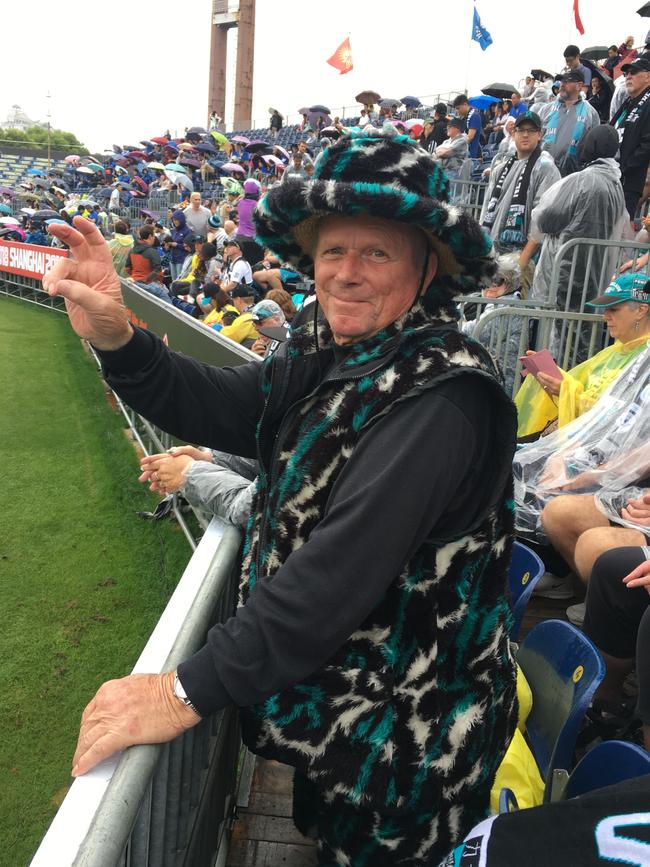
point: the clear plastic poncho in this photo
(603, 451)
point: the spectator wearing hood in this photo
(585, 204)
(566, 121)
(120, 246)
(179, 233)
(632, 123)
(251, 250)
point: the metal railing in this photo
(468, 194)
(171, 804)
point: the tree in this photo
(35, 138)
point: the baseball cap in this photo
(573, 75)
(528, 117)
(196, 239)
(232, 243)
(641, 63)
(458, 122)
(243, 290)
(265, 309)
(626, 287)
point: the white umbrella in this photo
(179, 178)
(84, 170)
(10, 221)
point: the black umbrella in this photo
(368, 97)
(644, 11)
(197, 130)
(389, 103)
(499, 89)
(540, 74)
(411, 101)
(319, 108)
(206, 148)
(605, 80)
(258, 147)
(594, 52)
(46, 214)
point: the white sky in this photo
(123, 70)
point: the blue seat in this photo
(563, 669)
(606, 764)
(526, 569)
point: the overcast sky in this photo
(124, 70)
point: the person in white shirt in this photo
(237, 268)
(197, 216)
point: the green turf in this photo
(82, 578)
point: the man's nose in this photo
(349, 268)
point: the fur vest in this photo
(418, 706)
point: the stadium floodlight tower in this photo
(227, 14)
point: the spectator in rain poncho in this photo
(586, 204)
(120, 246)
(543, 401)
(603, 451)
(516, 186)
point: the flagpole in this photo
(469, 51)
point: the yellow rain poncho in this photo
(581, 387)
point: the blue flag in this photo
(479, 33)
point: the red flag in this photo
(342, 57)
(576, 15)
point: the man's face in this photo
(572, 62)
(297, 160)
(636, 81)
(453, 131)
(195, 200)
(367, 273)
(526, 139)
(463, 109)
(570, 90)
(242, 303)
(516, 99)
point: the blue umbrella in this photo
(35, 172)
(483, 101)
(411, 101)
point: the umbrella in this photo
(240, 139)
(206, 148)
(644, 11)
(304, 110)
(72, 158)
(95, 166)
(367, 97)
(88, 203)
(148, 213)
(28, 211)
(389, 103)
(35, 172)
(196, 130)
(160, 140)
(219, 137)
(184, 181)
(60, 190)
(159, 166)
(483, 101)
(136, 155)
(186, 146)
(53, 221)
(319, 108)
(7, 191)
(416, 128)
(273, 160)
(45, 214)
(84, 170)
(284, 152)
(40, 182)
(147, 143)
(316, 116)
(9, 221)
(499, 89)
(190, 161)
(171, 146)
(233, 167)
(605, 80)
(594, 52)
(257, 146)
(540, 74)
(13, 231)
(231, 186)
(122, 171)
(5, 209)
(175, 167)
(411, 101)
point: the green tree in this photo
(35, 138)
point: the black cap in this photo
(573, 75)
(440, 108)
(197, 239)
(458, 122)
(232, 242)
(641, 63)
(242, 290)
(572, 51)
(529, 117)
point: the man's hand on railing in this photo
(90, 286)
(138, 709)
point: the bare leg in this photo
(268, 279)
(566, 518)
(594, 542)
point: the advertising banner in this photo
(28, 260)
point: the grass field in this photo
(82, 578)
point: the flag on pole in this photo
(479, 33)
(342, 57)
(576, 15)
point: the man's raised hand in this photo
(90, 286)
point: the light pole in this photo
(49, 131)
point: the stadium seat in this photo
(563, 669)
(526, 569)
(607, 763)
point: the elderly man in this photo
(632, 122)
(197, 216)
(566, 121)
(516, 185)
(453, 152)
(371, 651)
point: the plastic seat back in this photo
(563, 668)
(526, 569)
(606, 764)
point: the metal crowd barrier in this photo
(468, 194)
(171, 804)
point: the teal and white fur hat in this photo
(379, 173)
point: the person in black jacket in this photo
(632, 121)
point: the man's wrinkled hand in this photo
(139, 709)
(90, 286)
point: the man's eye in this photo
(378, 254)
(332, 251)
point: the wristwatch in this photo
(181, 695)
